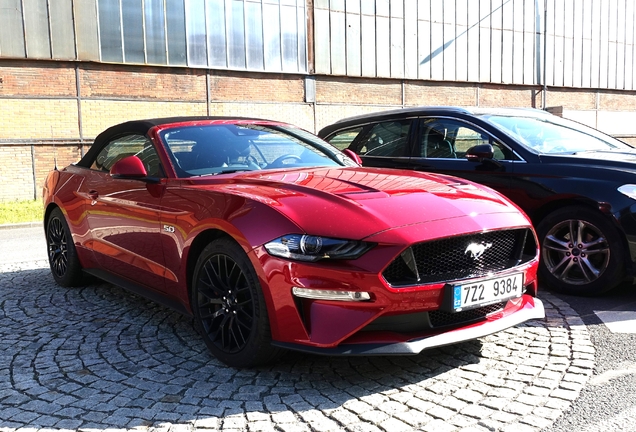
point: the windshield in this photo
(225, 148)
(552, 134)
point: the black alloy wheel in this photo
(63, 260)
(581, 252)
(229, 307)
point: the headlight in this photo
(313, 248)
(629, 190)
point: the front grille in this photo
(451, 258)
(444, 319)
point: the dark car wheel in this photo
(65, 265)
(581, 252)
(229, 308)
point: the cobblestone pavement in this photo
(98, 358)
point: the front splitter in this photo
(416, 346)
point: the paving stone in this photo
(468, 395)
(395, 425)
(284, 417)
(375, 417)
(477, 411)
(568, 395)
(414, 418)
(440, 412)
(99, 359)
(363, 427)
(344, 416)
(439, 426)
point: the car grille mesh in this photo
(451, 258)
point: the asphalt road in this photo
(87, 358)
(23, 244)
(608, 402)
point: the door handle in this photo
(93, 194)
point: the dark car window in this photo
(129, 145)
(385, 139)
(343, 139)
(451, 139)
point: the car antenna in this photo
(54, 152)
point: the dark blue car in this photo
(577, 184)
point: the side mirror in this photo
(480, 152)
(353, 155)
(130, 167)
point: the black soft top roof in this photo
(142, 127)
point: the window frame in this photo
(120, 139)
(492, 139)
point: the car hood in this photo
(625, 159)
(358, 202)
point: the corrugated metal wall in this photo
(571, 43)
(256, 35)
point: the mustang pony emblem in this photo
(476, 250)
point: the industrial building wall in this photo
(92, 68)
(51, 111)
(255, 35)
(562, 43)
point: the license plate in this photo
(486, 291)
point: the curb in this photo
(20, 225)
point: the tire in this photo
(63, 260)
(229, 307)
(590, 264)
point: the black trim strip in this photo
(139, 290)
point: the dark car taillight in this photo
(461, 257)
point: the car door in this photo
(123, 214)
(385, 143)
(441, 145)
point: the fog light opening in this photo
(318, 294)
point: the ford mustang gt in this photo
(273, 239)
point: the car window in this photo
(436, 141)
(451, 139)
(385, 139)
(343, 139)
(466, 138)
(222, 148)
(129, 145)
(552, 134)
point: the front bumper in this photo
(532, 309)
(376, 316)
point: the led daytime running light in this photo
(317, 294)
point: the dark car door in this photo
(123, 214)
(441, 144)
(380, 144)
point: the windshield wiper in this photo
(232, 170)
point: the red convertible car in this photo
(272, 239)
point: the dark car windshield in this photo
(552, 134)
(224, 148)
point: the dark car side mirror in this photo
(480, 152)
(130, 167)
